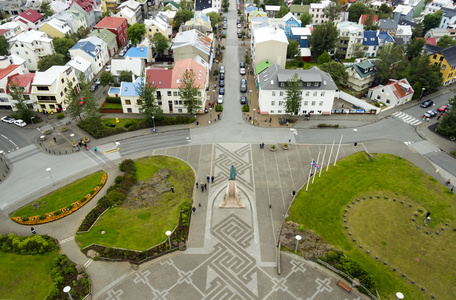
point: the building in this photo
(9, 66)
(290, 22)
(360, 75)
(404, 32)
(364, 18)
(350, 37)
(50, 87)
(298, 9)
(127, 14)
(13, 7)
(32, 46)
(29, 19)
(109, 38)
(57, 6)
(437, 5)
(56, 28)
(396, 92)
(301, 35)
(190, 43)
(448, 17)
(318, 91)
(370, 43)
(317, 10)
(388, 25)
(129, 64)
(436, 33)
(158, 24)
(143, 53)
(204, 4)
(13, 29)
(271, 10)
(269, 43)
(92, 9)
(446, 58)
(403, 12)
(200, 22)
(78, 15)
(92, 49)
(118, 26)
(81, 66)
(136, 8)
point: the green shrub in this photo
(25, 218)
(119, 179)
(300, 64)
(453, 153)
(43, 217)
(57, 212)
(219, 108)
(245, 108)
(33, 244)
(113, 100)
(60, 115)
(70, 206)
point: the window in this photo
(65, 89)
(272, 103)
(63, 81)
(281, 94)
(443, 67)
(308, 84)
(199, 94)
(306, 103)
(315, 94)
(74, 79)
(320, 103)
(139, 102)
(322, 94)
(272, 111)
(280, 103)
(169, 93)
(42, 88)
(313, 103)
(61, 94)
(26, 52)
(273, 94)
(159, 103)
(175, 94)
(129, 110)
(128, 102)
(176, 102)
(279, 111)
(307, 94)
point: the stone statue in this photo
(233, 173)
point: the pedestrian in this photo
(80, 144)
(33, 230)
(172, 189)
(261, 146)
(55, 140)
(194, 210)
(448, 181)
(197, 185)
(270, 120)
(87, 147)
(218, 116)
(293, 193)
(452, 188)
(439, 117)
(95, 149)
(197, 124)
(208, 178)
(287, 123)
(212, 179)
(202, 188)
(205, 186)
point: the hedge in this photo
(26, 245)
(113, 100)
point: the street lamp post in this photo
(31, 119)
(250, 97)
(168, 233)
(298, 238)
(210, 112)
(153, 121)
(52, 179)
(67, 290)
(422, 90)
(72, 136)
(254, 116)
(43, 138)
(399, 296)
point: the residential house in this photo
(201, 5)
(118, 26)
(256, 13)
(258, 22)
(384, 38)
(78, 16)
(298, 9)
(249, 10)
(317, 95)
(437, 5)
(405, 22)
(158, 24)
(110, 5)
(109, 38)
(167, 15)
(129, 96)
(388, 25)
(370, 43)
(446, 59)
(396, 92)
(429, 49)
(13, 7)
(290, 22)
(57, 6)
(92, 9)
(13, 29)
(269, 43)
(143, 53)
(92, 49)
(136, 7)
(171, 5)
(30, 19)
(363, 18)
(350, 38)
(56, 28)
(301, 35)
(360, 75)
(436, 33)
(50, 87)
(6, 33)
(448, 17)
(25, 82)
(189, 43)
(81, 66)
(317, 10)
(32, 46)
(128, 14)
(9, 66)
(130, 64)
(200, 22)
(404, 33)
(403, 12)
(271, 10)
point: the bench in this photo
(344, 286)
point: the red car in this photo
(442, 108)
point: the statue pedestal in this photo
(231, 199)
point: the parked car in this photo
(108, 68)
(93, 87)
(427, 103)
(239, 35)
(242, 65)
(243, 81)
(243, 100)
(242, 71)
(243, 85)
(20, 123)
(239, 25)
(442, 108)
(8, 119)
(222, 91)
(224, 26)
(97, 81)
(222, 76)
(220, 99)
(430, 114)
(222, 83)
(222, 69)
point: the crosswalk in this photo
(407, 118)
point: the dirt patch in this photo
(310, 246)
(148, 193)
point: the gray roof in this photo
(388, 24)
(448, 12)
(431, 49)
(269, 79)
(450, 55)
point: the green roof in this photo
(104, 34)
(297, 8)
(362, 68)
(172, 3)
(260, 67)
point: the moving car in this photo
(20, 123)
(220, 99)
(222, 91)
(427, 103)
(442, 108)
(243, 100)
(222, 83)
(430, 114)
(8, 119)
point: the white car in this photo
(8, 119)
(242, 71)
(222, 69)
(108, 68)
(20, 123)
(220, 99)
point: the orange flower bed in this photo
(64, 211)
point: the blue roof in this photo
(114, 90)
(385, 36)
(251, 8)
(137, 52)
(129, 88)
(203, 16)
(86, 46)
(370, 38)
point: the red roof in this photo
(86, 5)
(364, 18)
(31, 15)
(431, 41)
(400, 88)
(156, 75)
(111, 22)
(6, 71)
(3, 31)
(25, 80)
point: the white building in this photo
(13, 27)
(32, 46)
(130, 64)
(318, 91)
(127, 14)
(269, 43)
(405, 33)
(396, 92)
(135, 7)
(350, 34)
(317, 11)
(92, 49)
(437, 5)
(81, 66)
(10, 66)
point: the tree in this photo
(356, 10)
(62, 45)
(186, 4)
(106, 78)
(215, 18)
(282, 11)
(17, 94)
(324, 38)
(447, 126)
(81, 33)
(189, 92)
(136, 33)
(415, 47)
(4, 45)
(357, 50)
(181, 17)
(46, 10)
(160, 42)
(50, 60)
(273, 2)
(333, 10)
(418, 31)
(149, 105)
(432, 20)
(293, 49)
(385, 9)
(81, 92)
(72, 99)
(423, 74)
(125, 76)
(324, 58)
(293, 95)
(306, 19)
(369, 23)
(388, 64)
(336, 70)
(446, 41)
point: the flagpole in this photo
(308, 177)
(316, 164)
(330, 154)
(337, 154)
(322, 161)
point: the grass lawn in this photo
(384, 227)
(140, 229)
(113, 105)
(122, 122)
(26, 276)
(62, 197)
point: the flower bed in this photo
(63, 212)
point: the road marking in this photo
(111, 151)
(406, 118)
(88, 263)
(71, 238)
